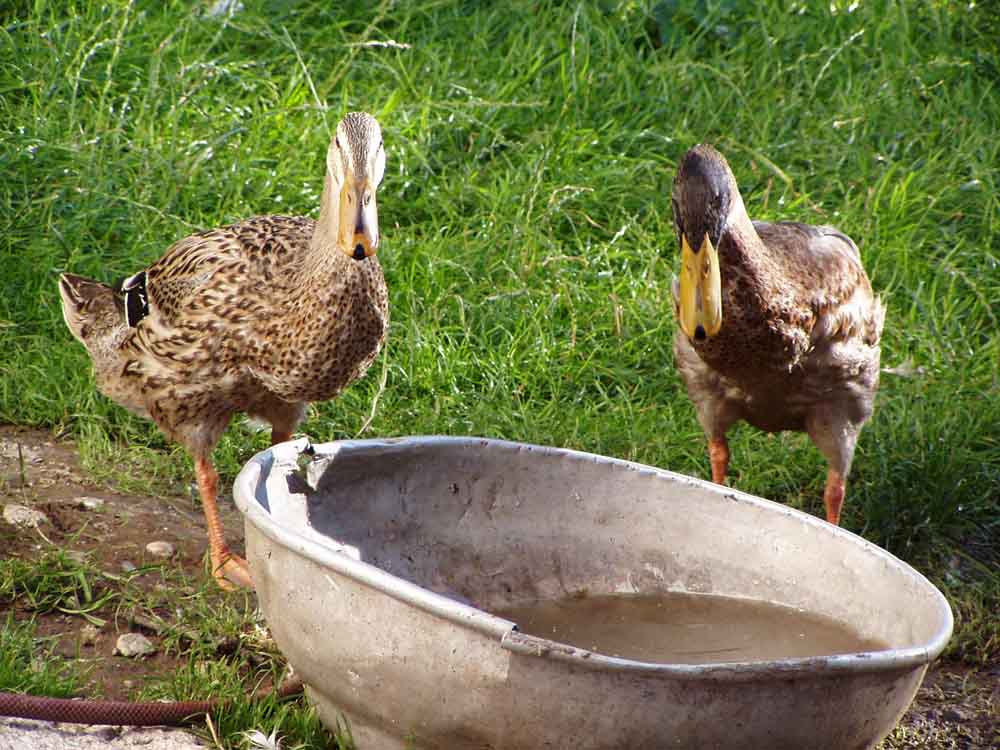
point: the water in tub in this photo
(680, 628)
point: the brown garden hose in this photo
(123, 713)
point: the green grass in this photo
(224, 650)
(525, 211)
(55, 582)
(27, 666)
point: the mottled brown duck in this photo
(778, 324)
(260, 317)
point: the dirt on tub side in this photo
(957, 707)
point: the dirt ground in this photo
(45, 474)
(957, 707)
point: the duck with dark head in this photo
(778, 323)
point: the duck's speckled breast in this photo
(332, 333)
(756, 338)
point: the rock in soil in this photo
(90, 503)
(160, 549)
(22, 515)
(134, 644)
(89, 635)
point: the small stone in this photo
(127, 566)
(134, 644)
(954, 715)
(77, 555)
(22, 515)
(90, 503)
(160, 549)
(89, 635)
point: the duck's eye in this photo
(368, 198)
(336, 141)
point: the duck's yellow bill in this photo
(701, 290)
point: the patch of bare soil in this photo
(956, 708)
(112, 530)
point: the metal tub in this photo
(377, 564)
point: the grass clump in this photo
(27, 666)
(55, 582)
(226, 654)
(220, 647)
(292, 720)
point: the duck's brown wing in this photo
(217, 267)
(824, 266)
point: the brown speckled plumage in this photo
(799, 344)
(260, 317)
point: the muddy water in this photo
(686, 628)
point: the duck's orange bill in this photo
(358, 219)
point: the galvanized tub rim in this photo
(251, 479)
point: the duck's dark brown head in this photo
(704, 191)
(703, 195)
